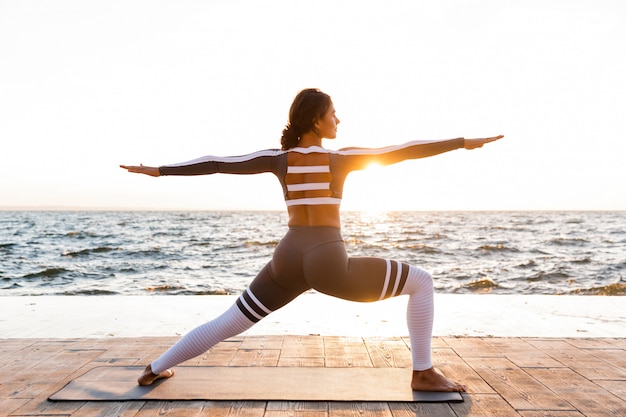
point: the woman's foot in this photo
(432, 380)
(148, 377)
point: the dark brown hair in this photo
(309, 105)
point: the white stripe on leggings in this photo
(387, 276)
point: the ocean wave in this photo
(12, 285)
(47, 273)
(484, 285)
(555, 275)
(182, 290)
(92, 291)
(565, 241)
(422, 248)
(498, 247)
(611, 289)
(269, 243)
(528, 264)
(87, 252)
(83, 235)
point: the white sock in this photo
(419, 315)
(202, 338)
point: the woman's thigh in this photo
(328, 269)
(282, 279)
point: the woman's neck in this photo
(309, 139)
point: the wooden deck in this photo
(529, 377)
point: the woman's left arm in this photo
(362, 157)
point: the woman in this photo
(312, 254)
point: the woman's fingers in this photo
(494, 138)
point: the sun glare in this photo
(361, 189)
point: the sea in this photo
(219, 252)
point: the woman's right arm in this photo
(253, 163)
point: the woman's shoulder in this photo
(309, 150)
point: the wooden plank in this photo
(314, 362)
(421, 409)
(294, 347)
(212, 358)
(305, 340)
(302, 351)
(522, 353)
(298, 406)
(436, 342)
(617, 388)
(232, 408)
(617, 343)
(295, 413)
(171, 409)
(153, 350)
(262, 342)
(109, 408)
(614, 357)
(334, 341)
(296, 409)
(359, 409)
(584, 362)
(516, 386)
(484, 405)
(9, 347)
(453, 367)
(346, 352)
(50, 376)
(9, 405)
(219, 355)
(40, 406)
(339, 358)
(473, 347)
(388, 353)
(593, 343)
(549, 345)
(255, 357)
(127, 347)
(550, 413)
(32, 355)
(584, 395)
(35, 380)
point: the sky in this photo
(88, 85)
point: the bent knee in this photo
(418, 280)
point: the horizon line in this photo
(117, 208)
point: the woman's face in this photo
(327, 125)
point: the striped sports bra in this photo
(309, 179)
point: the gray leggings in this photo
(315, 258)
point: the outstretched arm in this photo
(253, 163)
(362, 157)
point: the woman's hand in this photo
(478, 143)
(142, 169)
